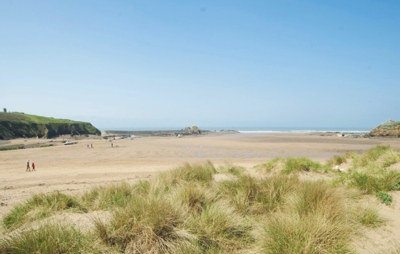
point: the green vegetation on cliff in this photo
(389, 129)
(20, 125)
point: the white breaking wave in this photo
(303, 131)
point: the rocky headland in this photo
(390, 129)
(19, 125)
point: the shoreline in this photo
(162, 133)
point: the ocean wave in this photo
(303, 131)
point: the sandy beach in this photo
(76, 168)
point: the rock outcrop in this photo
(20, 125)
(389, 129)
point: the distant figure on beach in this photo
(87, 145)
(28, 167)
(91, 145)
(112, 144)
(33, 166)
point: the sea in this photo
(249, 130)
(304, 130)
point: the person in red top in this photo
(33, 166)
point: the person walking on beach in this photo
(33, 166)
(28, 168)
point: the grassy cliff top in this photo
(17, 117)
(17, 125)
(388, 129)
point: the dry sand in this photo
(75, 168)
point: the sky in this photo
(160, 64)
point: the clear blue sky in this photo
(206, 63)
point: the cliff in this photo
(388, 129)
(20, 125)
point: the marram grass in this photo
(49, 238)
(41, 206)
(185, 211)
(292, 165)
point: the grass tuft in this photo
(192, 173)
(15, 217)
(373, 154)
(271, 165)
(48, 238)
(219, 229)
(56, 202)
(40, 206)
(107, 197)
(146, 225)
(337, 160)
(231, 169)
(194, 197)
(315, 220)
(369, 217)
(291, 165)
(307, 235)
(258, 196)
(370, 183)
(301, 164)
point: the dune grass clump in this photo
(292, 164)
(47, 238)
(41, 206)
(314, 220)
(373, 154)
(302, 164)
(318, 198)
(218, 229)
(275, 163)
(193, 197)
(370, 173)
(193, 173)
(107, 197)
(377, 158)
(231, 169)
(258, 196)
(337, 160)
(368, 217)
(56, 201)
(15, 217)
(311, 234)
(370, 183)
(146, 225)
(389, 158)
(166, 182)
